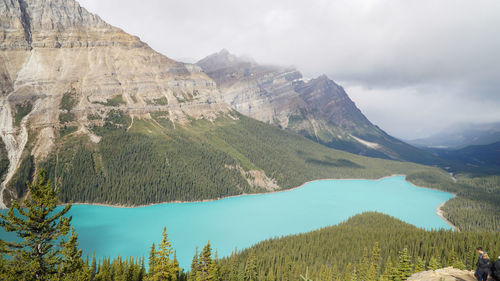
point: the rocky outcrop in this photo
(318, 108)
(60, 64)
(265, 93)
(444, 274)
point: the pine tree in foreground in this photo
(162, 265)
(40, 254)
(405, 267)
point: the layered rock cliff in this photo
(317, 108)
(112, 121)
(63, 67)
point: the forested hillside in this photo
(141, 161)
(148, 161)
(370, 246)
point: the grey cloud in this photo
(444, 52)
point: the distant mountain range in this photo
(318, 108)
(472, 159)
(460, 136)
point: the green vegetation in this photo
(66, 130)
(158, 101)
(65, 117)
(370, 246)
(22, 175)
(48, 246)
(156, 163)
(22, 110)
(68, 100)
(163, 264)
(477, 206)
(4, 160)
(41, 255)
(94, 117)
(114, 101)
(477, 202)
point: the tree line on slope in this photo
(477, 202)
(152, 162)
(370, 246)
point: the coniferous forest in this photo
(156, 162)
(369, 246)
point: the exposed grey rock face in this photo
(270, 93)
(52, 48)
(265, 93)
(318, 108)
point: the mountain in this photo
(318, 109)
(460, 136)
(474, 158)
(113, 121)
(63, 70)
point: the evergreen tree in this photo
(233, 268)
(372, 273)
(251, 268)
(390, 271)
(194, 265)
(204, 268)
(348, 273)
(419, 265)
(93, 267)
(364, 266)
(434, 264)
(375, 256)
(142, 271)
(215, 268)
(164, 267)
(270, 275)
(4, 270)
(41, 227)
(175, 265)
(152, 259)
(72, 266)
(405, 268)
(455, 261)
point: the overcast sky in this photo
(413, 67)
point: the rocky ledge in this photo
(444, 274)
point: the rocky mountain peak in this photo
(223, 60)
(55, 23)
(63, 67)
(319, 108)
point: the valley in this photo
(281, 173)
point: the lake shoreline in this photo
(439, 212)
(221, 198)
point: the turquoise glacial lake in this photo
(240, 222)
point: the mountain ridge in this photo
(316, 108)
(63, 67)
(461, 136)
(113, 121)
